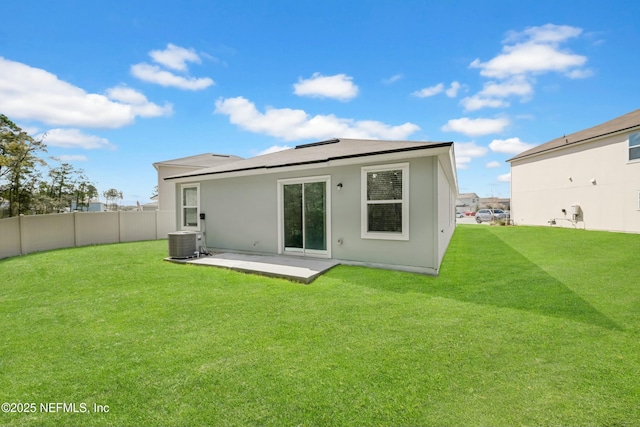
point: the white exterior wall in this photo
(545, 184)
(167, 189)
(167, 196)
(242, 215)
(446, 222)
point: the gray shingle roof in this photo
(626, 122)
(317, 152)
(200, 160)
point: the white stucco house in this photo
(589, 179)
(387, 204)
(468, 202)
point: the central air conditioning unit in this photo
(182, 244)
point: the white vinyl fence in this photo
(25, 234)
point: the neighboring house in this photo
(380, 203)
(151, 206)
(589, 179)
(166, 197)
(468, 202)
(494, 203)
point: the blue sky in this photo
(118, 85)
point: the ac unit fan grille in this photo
(182, 244)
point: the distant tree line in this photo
(30, 185)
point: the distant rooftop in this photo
(628, 121)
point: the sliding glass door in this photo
(304, 216)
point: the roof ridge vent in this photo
(314, 144)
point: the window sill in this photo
(385, 236)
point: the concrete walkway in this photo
(298, 269)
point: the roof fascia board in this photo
(576, 143)
(340, 161)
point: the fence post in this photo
(75, 229)
(21, 228)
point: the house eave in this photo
(385, 155)
(524, 156)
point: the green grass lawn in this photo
(524, 326)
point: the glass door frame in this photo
(302, 251)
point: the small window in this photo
(190, 203)
(385, 202)
(634, 146)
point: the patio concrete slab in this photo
(299, 269)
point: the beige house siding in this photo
(544, 184)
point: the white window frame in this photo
(182, 207)
(364, 203)
(634, 135)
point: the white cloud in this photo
(30, 93)
(477, 101)
(466, 151)
(138, 102)
(548, 33)
(339, 87)
(529, 58)
(539, 52)
(290, 125)
(534, 51)
(493, 94)
(429, 91)
(579, 74)
(504, 177)
(274, 149)
(518, 86)
(452, 92)
(509, 146)
(74, 138)
(154, 74)
(175, 57)
(393, 79)
(476, 127)
(494, 164)
(72, 158)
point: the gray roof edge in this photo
(176, 162)
(534, 152)
(422, 146)
(550, 146)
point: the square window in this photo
(385, 202)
